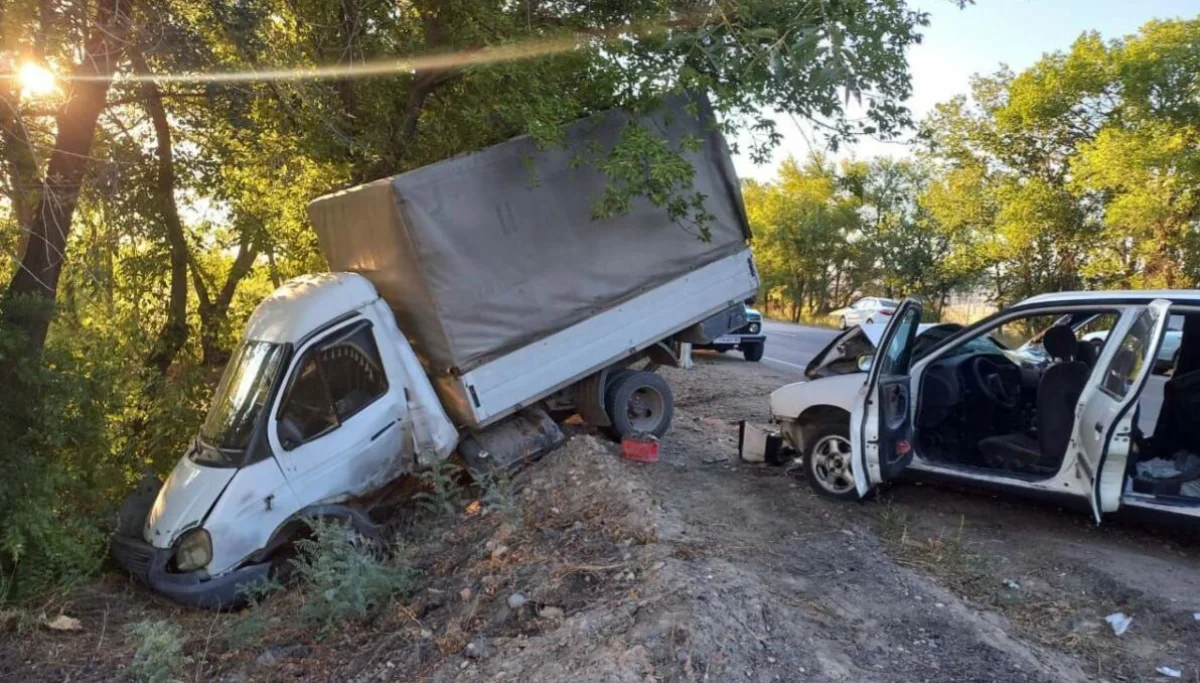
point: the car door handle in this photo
(1099, 428)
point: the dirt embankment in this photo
(700, 568)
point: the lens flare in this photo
(36, 80)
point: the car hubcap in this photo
(831, 464)
(645, 409)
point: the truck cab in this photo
(322, 403)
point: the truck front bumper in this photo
(149, 565)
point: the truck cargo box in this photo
(484, 255)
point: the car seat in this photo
(1058, 391)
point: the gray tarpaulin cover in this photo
(484, 253)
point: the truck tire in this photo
(131, 516)
(827, 460)
(639, 402)
(753, 352)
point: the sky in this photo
(960, 43)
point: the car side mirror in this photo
(864, 362)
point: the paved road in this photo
(791, 347)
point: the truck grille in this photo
(134, 555)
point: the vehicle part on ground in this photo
(827, 461)
(639, 402)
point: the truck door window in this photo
(307, 411)
(353, 371)
(337, 378)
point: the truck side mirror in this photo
(864, 362)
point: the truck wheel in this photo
(827, 461)
(131, 516)
(639, 403)
(753, 352)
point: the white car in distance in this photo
(867, 310)
(1018, 401)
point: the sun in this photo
(36, 80)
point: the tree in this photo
(47, 214)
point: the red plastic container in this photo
(639, 448)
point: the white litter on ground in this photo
(1169, 672)
(1119, 622)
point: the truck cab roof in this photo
(306, 303)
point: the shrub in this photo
(159, 657)
(442, 494)
(251, 626)
(500, 495)
(346, 576)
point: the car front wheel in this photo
(827, 461)
(753, 352)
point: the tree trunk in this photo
(174, 332)
(50, 225)
(212, 311)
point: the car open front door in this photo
(1105, 416)
(881, 434)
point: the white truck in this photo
(470, 300)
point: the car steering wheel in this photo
(1000, 381)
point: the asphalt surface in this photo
(791, 347)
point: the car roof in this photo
(1115, 295)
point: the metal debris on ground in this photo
(1119, 622)
(1169, 672)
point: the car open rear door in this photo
(881, 434)
(1104, 420)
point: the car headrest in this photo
(1085, 352)
(1060, 343)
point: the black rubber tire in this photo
(811, 439)
(621, 390)
(753, 352)
(136, 507)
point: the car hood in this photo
(184, 500)
(840, 357)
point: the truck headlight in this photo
(194, 551)
(753, 328)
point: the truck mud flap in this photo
(522, 438)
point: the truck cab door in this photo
(1104, 417)
(881, 427)
(339, 423)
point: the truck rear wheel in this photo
(639, 403)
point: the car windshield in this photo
(241, 395)
(981, 344)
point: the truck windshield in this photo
(241, 395)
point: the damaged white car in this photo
(1020, 400)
